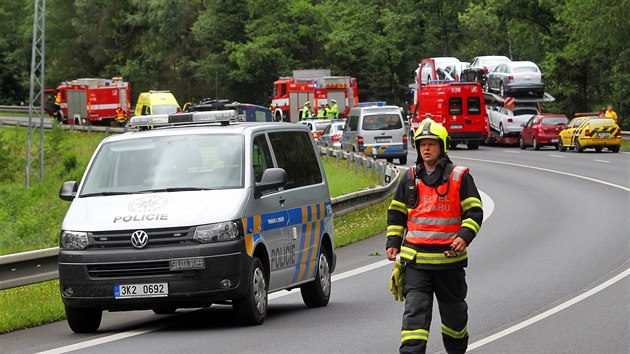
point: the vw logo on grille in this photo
(139, 239)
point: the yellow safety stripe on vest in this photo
(395, 230)
(436, 221)
(471, 224)
(419, 334)
(398, 206)
(457, 172)
(409, 254)
(470, 203)
(430, 234)
(453, 333)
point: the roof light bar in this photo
(155, 120)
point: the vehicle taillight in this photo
(404, 139)
(510, 120)
(510, 77)
(587, 132)
(360, 140)
(335, 138)
(485, 70)
(618, 132)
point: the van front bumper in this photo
(87, 278)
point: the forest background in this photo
(235, 49)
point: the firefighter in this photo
(120, 116)
(334, 109)
(306, 111)
(58, 114)
(434, 216)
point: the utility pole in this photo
(37, 86)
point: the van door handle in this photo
(281, 200)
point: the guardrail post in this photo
(357, 161)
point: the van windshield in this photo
(166, 163)
(382, 121)
(164, 109)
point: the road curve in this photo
(548, 273)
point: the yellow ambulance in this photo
(156, 102)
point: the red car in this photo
(542, 129)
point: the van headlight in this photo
(74, 240)
(221, 231)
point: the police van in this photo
(376, 130)
(200, 209)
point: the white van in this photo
(377, 131)
(198, 210)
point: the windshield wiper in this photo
(103, 194)
(174, 189)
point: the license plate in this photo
(382, 140)
(456, 126)
(554, 140)
(128, 291)
(603, 135)
(187, 263)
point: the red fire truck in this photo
(316, 86)
(459, 106)
(90, 101)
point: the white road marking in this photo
(488, 208)
(550, 312)
(548, 170)
(512, 151)
(605, 161)
(560, 156)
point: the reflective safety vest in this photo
(306, 112)
(120, 116)
(434, 222)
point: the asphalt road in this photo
(548, 274)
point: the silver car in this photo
(509, 122)
(480, 67)
(331, 137)
(517, 78)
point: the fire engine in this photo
(459, 106)
(316, 86)
(90, 100)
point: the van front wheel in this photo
(252, 309)
(317, 292)
(83, 320)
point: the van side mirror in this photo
(68, 190)
(272, 178)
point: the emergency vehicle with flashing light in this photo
(197, 208)
(459, 106)
(316, 86)
(90, 100)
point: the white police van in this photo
(200, 209)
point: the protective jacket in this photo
(306, 112)
(429, 211)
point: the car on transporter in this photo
(195, 209)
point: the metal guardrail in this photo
(32, 267)
(22, 109)
(48, 125)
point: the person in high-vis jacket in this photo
(434, 216)
(306, 111)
